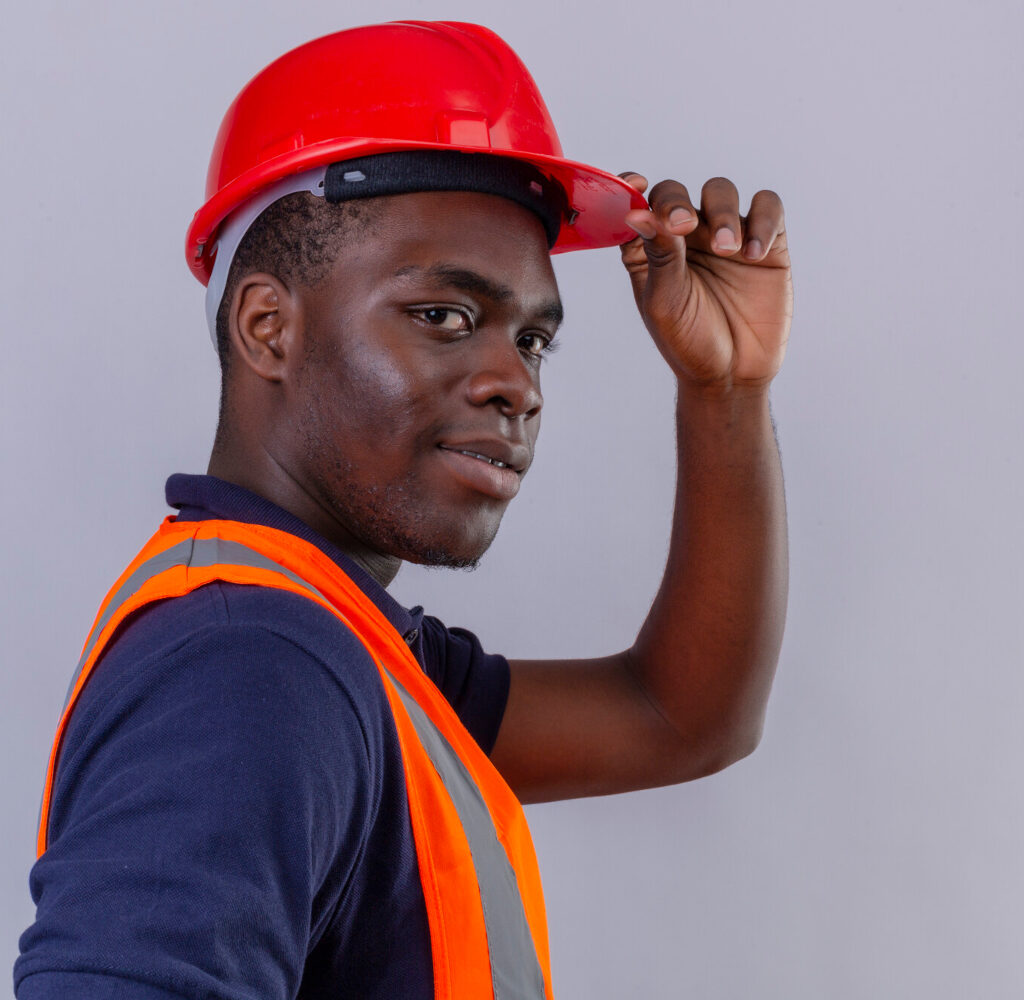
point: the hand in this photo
(713, 287)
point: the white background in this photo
(872, 847)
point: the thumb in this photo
(633, 257)
(656, 259)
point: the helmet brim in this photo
(599, 200)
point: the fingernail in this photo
(753, 249)
(725, 239)
(644, 229)
(679, 217)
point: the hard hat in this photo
(407, 85)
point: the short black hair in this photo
(297, 239)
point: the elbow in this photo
(725, 749)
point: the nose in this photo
(505, 378)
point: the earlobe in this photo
(262, 324)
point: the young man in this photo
(270, 779)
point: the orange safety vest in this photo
(485, 908)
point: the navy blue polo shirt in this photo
(229, 817)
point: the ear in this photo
(263, 325)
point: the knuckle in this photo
(659, 257)
(719, 184)
(767, 198)
(719, 197)
(633, 257)
(667, 190)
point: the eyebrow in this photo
(466, 280)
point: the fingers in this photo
(656, 260)
(764, 224)
(671, 206)
(727, 231)
(635, 180)
(720, 207)
(673, 224)
(717, 227)
(633, 256)
(672, 213)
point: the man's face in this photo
(418, 399)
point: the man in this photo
(271, 780)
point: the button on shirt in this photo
(229, 816)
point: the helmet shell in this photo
(385, 87)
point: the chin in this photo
(450, 556)
(447, 560)
(455, 550)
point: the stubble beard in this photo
(390, 521)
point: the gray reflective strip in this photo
(174, 556)
(191, 552)
(515, 969)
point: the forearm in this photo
(707, 651)
(714, 290)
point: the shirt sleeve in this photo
(205, 821)
(475, 683)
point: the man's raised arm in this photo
(688, 698)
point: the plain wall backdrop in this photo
(872, 847)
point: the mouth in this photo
(491, 468)
(498, 453)
(476, 454)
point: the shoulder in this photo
(221, 779)
(237, 638)
(474, 682)
(263, 680)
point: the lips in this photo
(495, 451)
(483, 458)
(491, 467)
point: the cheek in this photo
(380, 385)
(369, 404)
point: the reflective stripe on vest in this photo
(477, 866)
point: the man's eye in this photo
(535, 344)
(446, 319)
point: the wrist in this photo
(723, 394)
(719, 419)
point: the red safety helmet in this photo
(407, 85)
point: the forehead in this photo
(431, 234)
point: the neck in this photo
(255, 469)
